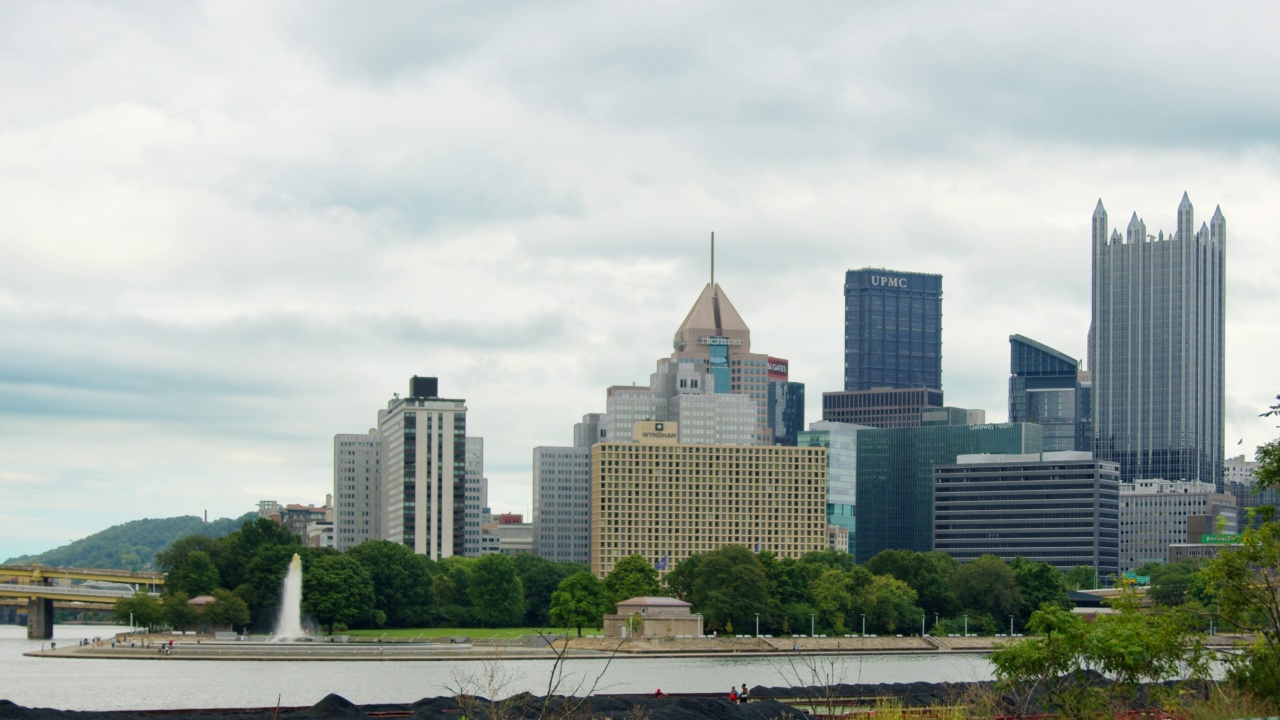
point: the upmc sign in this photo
(886, 281)
(777, 369)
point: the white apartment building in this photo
(424, 459)
(357, 489)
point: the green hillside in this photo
(133, 544)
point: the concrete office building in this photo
(889, 408)
(424, 463)
(357, 489)
(841, 442)
(1061, 508)
(562, 503)
(665, 500)
(895, 477)
(893, 329)
(1045, 389)
(1156, 348)
(512, 534)
(1155, 514)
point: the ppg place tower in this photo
(1156, 347)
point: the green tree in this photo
(1080, 577)
(1175, 583)
(452, 583)
(930, 574)
(788, 582)
(679, 580)
(403, 591)
(730, 587)
(141, 610)
(175, 554)
(1130, 647)
(579, 600)
(1246, 582)
(833, 594)
(540, 578)
(633, 576)
(178, 612)
(889, 604)
(227, 610)
(237, 551)
(829, 560)
(987, 586)
(337, 590)
(497, 599)
(263, 580)
(1038, 583)
(195, 575)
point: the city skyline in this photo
(233, 231)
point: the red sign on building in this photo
(777, 368)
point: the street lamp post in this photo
(935, 622)
(966, 626)
(811, 617)
(922, 619)
(757, 625)
(1010, 626)
(864, 624)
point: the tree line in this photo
(381, 584)
(377, 584)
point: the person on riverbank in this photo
(733, 694)
(742, 696)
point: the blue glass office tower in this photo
(1045, 388)
(892, 330)
(1156, 352)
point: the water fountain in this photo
(289, 622)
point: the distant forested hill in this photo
(133, 544)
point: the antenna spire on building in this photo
(713, 263)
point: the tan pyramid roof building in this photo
(712, 315)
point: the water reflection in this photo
(105, 684)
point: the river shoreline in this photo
(185, 647)
(164, 647)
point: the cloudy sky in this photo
(231, 230)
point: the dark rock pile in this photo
(766, 704)
(525, 707)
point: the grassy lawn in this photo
(468, 632)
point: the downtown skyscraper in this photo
(1156, 347)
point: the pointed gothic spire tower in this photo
(1156, 348)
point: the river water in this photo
(110, 684)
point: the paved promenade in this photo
(156, 647)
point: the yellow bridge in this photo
(41, 586)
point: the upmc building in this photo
(892, 329)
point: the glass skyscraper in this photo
(1045, 388)
(892, 330)
(1156, 352)
(894, 487)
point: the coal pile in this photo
(522, 707)
(911, 695)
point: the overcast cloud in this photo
(231, 230)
